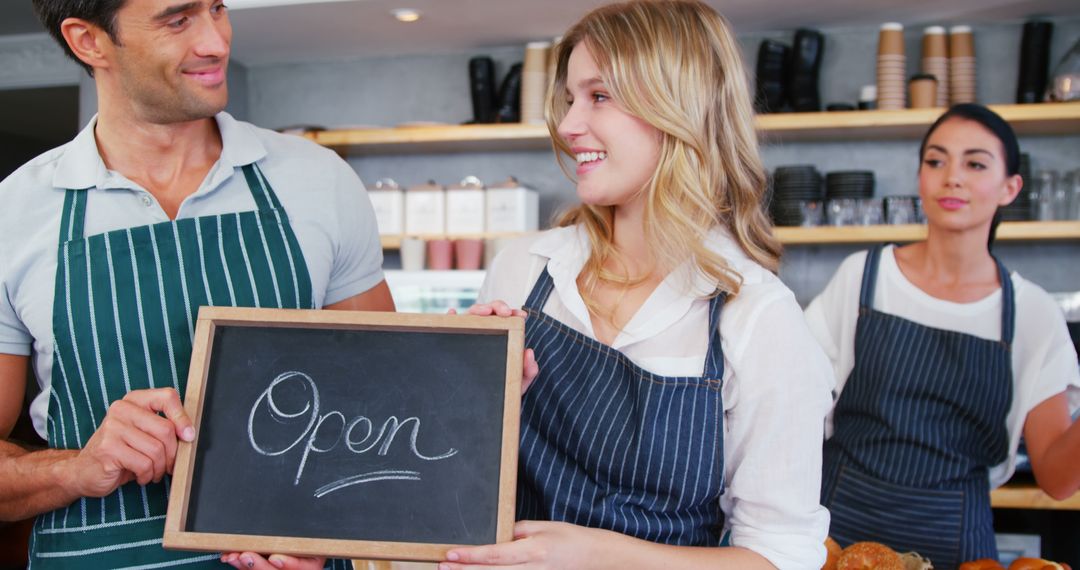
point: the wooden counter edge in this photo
(1030, 496)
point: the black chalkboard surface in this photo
(349, 434)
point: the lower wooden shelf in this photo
(1029, 496)
(1008, 231)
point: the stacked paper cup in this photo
(935, 61)
(534, 80)
(891, 67)
(961, 65)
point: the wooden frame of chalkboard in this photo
(338, 378)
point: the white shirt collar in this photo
(81, 165)
(567, 250)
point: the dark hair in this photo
(101, 13)
(999, 127)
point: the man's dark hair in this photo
(101, 13)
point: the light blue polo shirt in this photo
(324, 198)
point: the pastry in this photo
(833, 551)
(869, 556)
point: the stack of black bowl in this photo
(791, 187)
(855, 184)
(1020, 208)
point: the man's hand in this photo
(133, 443)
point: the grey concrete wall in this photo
(391, 90)
(388, 91)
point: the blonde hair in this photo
(675, 65)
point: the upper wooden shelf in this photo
(1035, 119)
(450, 138)
(1008, 231)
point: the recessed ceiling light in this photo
(406, 14)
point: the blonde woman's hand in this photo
(529, 368)
(539, 545)
(253, 561)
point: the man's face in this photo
(172, 58)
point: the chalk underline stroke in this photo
(386, 475)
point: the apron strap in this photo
(1008, 304)
(260, 188)
(72, 221)
(869, 278)
(74, 215)
(540, 292)
(714, 358)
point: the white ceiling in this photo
(329, 30)
(364, 28)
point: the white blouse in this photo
(1043, 357)
(776, 381)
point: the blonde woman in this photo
(680, 395)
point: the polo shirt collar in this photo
(81, 165)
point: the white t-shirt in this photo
(327, 206)
(776, 379)
(1043, 357)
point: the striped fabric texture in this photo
(123, 319)
(607, 444)
(919, 423)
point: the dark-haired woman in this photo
(943, 360)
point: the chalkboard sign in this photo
(348, 434)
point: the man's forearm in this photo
(32, 482)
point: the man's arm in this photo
(136, 441)
(29, 481)
(377, 298)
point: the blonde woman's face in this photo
(616, 152)
(962, 179)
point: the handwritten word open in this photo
(359, 434)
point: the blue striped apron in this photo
(124, 313)
(607, 444)
(917, 426)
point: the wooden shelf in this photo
(1027, 496)
(394, 242)
(1008, 231)
(1035, 119)
(450, 138)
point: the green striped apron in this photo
(124, 315)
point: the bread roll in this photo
(982, 564)
(1034, 564)
(833, 551)
(869, 556)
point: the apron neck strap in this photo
(74, 216)
(264, 196)
(1008, 305)
(714, 358)
(869, 278)
(72, 222)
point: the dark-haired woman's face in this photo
(962, 178)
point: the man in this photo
(110, 243)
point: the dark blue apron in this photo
(124, 315)
(918, 424)
(606, 444)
